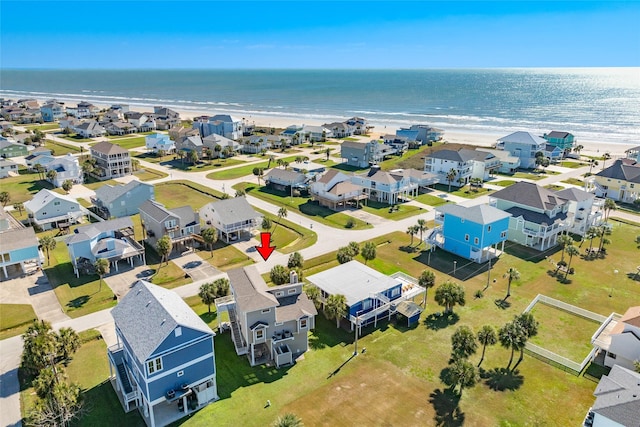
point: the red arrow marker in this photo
(266, 249)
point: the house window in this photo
(303, 323)
(488, 228)
(266, 310)
(503, 234)
(366, 304)
(291, 291)
(180, 373)
(178, 331)
(395, 292)
(612, 355)
(279, 294)
(466, 237)
(259, 334)
(476, 240)
(154, 365)
(56, 203)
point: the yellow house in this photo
(620, 181)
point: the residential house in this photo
(40, 155)
(619, 338)
(553, 153)
(89, 129)
(580, 213)
(483, 163)
(180, 224)
(386, 187)
(190, 143)
(120, 128)
(338, 129)
(370, 295)
(397, 142)
(69, 123)
(634, 154)
(22, 138)
(117, 201)
(335, 190)
(508, 164)
(5, 125)
(565, 141)
(12, 149)
(67, 168)
(51, 210)
(620, 181)
(315, 133)
(52, 111)
(159, 141)
(258, 143)
(18, 249)
(83, 109)
(111, 161)
(617, 401)
(164, 360)
(358, 125)
(285, 180)
(477, 233)
(443, 161)
(417, 177)
(113, 240)
(7, 168)
(178, 133)
(221, 124)
(362, 155)
(165, 118)
(538, 215)
(136, 119)
(523, 145)
(213, 140)
(124, 108)
(112, 116)
(411, 136)
(292, 135)
(427, 134)
(268, 324)
(232, 218)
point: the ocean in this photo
(592, 103)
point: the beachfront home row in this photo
(220, 124)
(565, 141)
(523, 145)
(364, 154)
(467, 164)
(620, 181)
(370, 295)
(421, 134)
(113, 240)
(164, 361)
(267, 324)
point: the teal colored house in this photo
(474, 232)
(164, 362)
(12, 149)
(563, 140)
(19, 248)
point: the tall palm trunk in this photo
(484, 348)
(511, 358)
(519, 359)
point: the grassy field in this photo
(430, 200)
(383, 210)
(42, 127)
(302, 205)
(241, 171)
(129, 143)
(505, 183)
(554, 187)
(464, 191)
(75, 138)
(60, 149)
(77, 296)
(572, 165)
(15, 319)
(288, 236)
(224, 257)
(148, 174)
(574, 181)
(178, 193)
(21, 188)
(94, 184)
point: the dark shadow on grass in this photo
(501, 379)
(594, 372)
(78, 302)
(326, 334)
(634, 276)
(445, 403)
(209, 317)
(437, 321)
(502, 303)
(409, 249)
(104, 409)
(337, 370)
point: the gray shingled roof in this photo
(294, 307)
(186, 214)
(19, 238)
(148, 314)
(574, 194)
(249, 290)
(353, 144)
(108, 193)
(558, 134)
(535, 217)
(325, 178)
(618, 397)
(155, 210)
(345, 187)
(87, 232)
(105, 147)
(232, 210)
(521, 137)
(529, 194)
(451, 155)
(621, 171)
(285, 175)
(479, 214)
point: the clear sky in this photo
(318, 34)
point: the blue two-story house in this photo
(164, 361)
(370, 295)
(473, 232)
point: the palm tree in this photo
(210, 236)
(422, 227)
(463, 374)
(313, 293)
(68, 342)
(486, 336)
(529, 327)
(282, 213)
(511, 274)
(163, 247)
(288, 420)
(451, 175)
(258, 172)
(5, 198)
(19, 206)
(592, 163)
(427, 280)
(207, 294)
(591, 234)
(271, 158)
(102, 268)
(49, 244)
(327, 152)
(412, 231)
(353, 248)
(336, 307)
(463, 343)
(40, 169)
(609, 205)
(51, 175)
(511, 336)
(571, 251)
(368, 251)
(448, 295)
(192, 157)
(578, 149)
(564, 240)
(605, 157)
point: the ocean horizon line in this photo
(470, 68)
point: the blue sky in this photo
(321, 34)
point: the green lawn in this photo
(241, 171)
(15, 319)
(224, 257)
(42, 127)
(288, 236)
(554, 187)
(302, 205)
(168, 275)
(75, 138)
(465, 191)
(430, 200)
(129, 143)
(505, 183)
(383, 210)
(181, 193)
(77, 296)
(572, 165)
(93, 183)
(574, 181)
(60, 149)
(148, 174)
(21, 188)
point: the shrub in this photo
(479, 294)
(266, 223)
(350, 223)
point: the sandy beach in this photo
(480, 139)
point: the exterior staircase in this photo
(238, 340)
(124, 379)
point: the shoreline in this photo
(476, 137)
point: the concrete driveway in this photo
(196, 267)
(121, 282)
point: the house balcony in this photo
(171, 228)
(285, 335)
